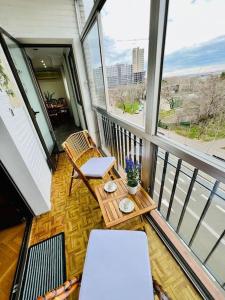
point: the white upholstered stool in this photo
(117, 267)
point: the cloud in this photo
(113, 55)
(208, 54)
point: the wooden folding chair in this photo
(87, 161)
(63, 291)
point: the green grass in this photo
(128, 107)
(205, 132)
(166, 113)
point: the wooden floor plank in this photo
(10, 243)
(78, 214)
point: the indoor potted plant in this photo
(133, 176)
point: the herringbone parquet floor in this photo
(10, 243)
(78, 214)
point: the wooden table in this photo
(109, 203)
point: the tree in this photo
(222, 75)
(212, 105)
(118, 94)
(140, 91)
(167, 94)
(212, 97)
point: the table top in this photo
(117, 266)
(109, 203)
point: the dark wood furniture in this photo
(57, 109)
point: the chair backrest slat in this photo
(77, 144)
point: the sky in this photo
(195, 40)
(125, 26)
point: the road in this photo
(216, 147)
(212, 225)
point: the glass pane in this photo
(216, 263)
(211, 227)
(94, 66)
(192, 102)
(106, 134)
(168, 184)
(182, 187)
(30, 91)
(85, 7)
(197, 202)
(126, 56)
(158, 177)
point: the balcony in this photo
(78, 214)
(143, 90)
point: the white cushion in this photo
(117, 267)
(97, 166)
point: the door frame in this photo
(29, 214)
(71, 65)
(50, 161)
(40, 95)
(73, 69)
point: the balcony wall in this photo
(39, 19)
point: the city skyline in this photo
(124, 73)
(187, 40)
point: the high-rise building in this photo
(138, 65)
(138, 60)
(119, 74)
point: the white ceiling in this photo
(51, 57)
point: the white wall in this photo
(53, 85)
(38, 19)
(49, 21)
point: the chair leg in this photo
(71, 181)
(90, 188)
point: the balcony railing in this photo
(190, 201)
(193, 204)
(119, 142)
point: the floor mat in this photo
(45, 267)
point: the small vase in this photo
(132, 190)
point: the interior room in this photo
(51, 67)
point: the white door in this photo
(22, 72)
(20, 148)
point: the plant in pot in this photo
(49, 96)
(133, 176)
(5, 82)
